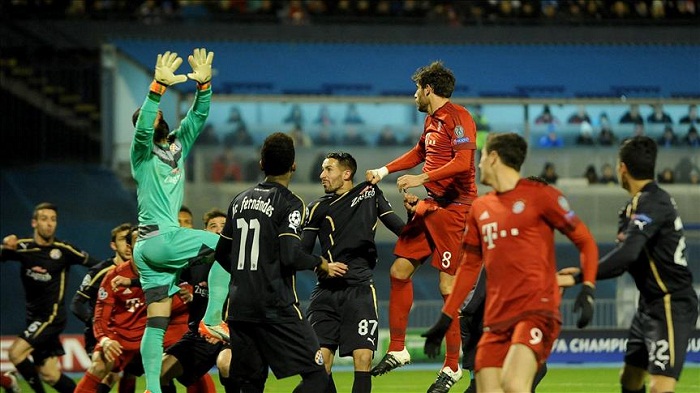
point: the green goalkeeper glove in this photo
(200, 61)
(166, 65)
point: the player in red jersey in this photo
(447, 147)
(511, 230)
(120, 320)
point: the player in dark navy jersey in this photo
(651, 246)
(45, 263)
(343, 310)
(261, 239)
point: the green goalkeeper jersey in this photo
(159, 170)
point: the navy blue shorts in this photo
(345, 318)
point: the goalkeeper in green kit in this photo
(164, 248)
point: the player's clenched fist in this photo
(375, 175)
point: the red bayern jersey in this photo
(120, 315)
(447, 146)
(513, 234)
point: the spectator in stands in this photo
(546, 117)
(226, 167)
(692, 116)
(551, 139)
(603, 120)
(607, 175)
(691, 138)
(301, 139)
(683, 169)
(324, 118)
(580, 116)
(668, 138)
(591, 175)
(316, 166)
(632, 116)
(606, 137)
(694, 177)
(352, 116)
(659, 116)
(387, 137)
(325, 137)
(237, 133)
(585, 136)
(549, 173)
(295, 116)
(666, 176)
(294, 13)
(482, 123)
(208, 136)
(352, 137)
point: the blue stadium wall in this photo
(651, 71)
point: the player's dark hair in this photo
(639, 156)
(185, 209)
(277, 154)
(121, 228)
(511, 148)
(44, 206)
(439, 77)
(211, 214)
(160, 132)
(345, 160)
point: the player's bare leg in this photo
(519, 368)
(489, 380)
(362, 360)
(400, 303)
(632, 379)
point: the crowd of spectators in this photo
(449, 12)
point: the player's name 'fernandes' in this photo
(264, 207)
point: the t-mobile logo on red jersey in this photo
(491, 233)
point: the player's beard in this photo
(161, 131)
(47, 235)
(624, 182)
(422, 105)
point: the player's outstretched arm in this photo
(166, 66)
(200, 61)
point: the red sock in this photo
(453, 342)
(127, 384)
(400, 302)
(5, 381)
(88, 384)
(202, 385)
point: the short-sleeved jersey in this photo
(262, 288)
(43, 273)
(513, 233)
(159, 171)
(90, 285)
(448, 129)
(346, 225)
(662, 267)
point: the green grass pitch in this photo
(558, 380)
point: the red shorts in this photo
(535, 331)
(174, 333)
(438, 233)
